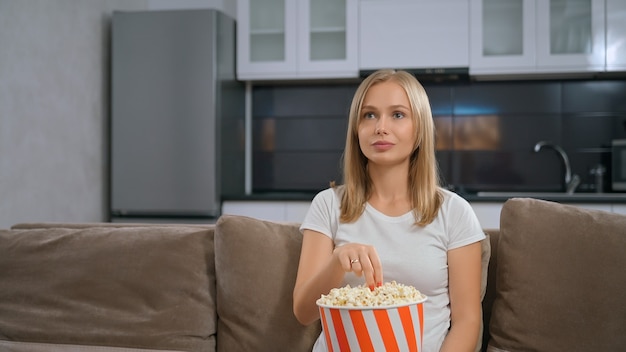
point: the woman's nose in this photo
(380, 126)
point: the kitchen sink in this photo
(551, 195)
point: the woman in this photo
(391, 220)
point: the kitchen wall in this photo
(54, 60)
(486, 132)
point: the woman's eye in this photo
(369, 115)
(398, 115)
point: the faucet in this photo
(571, 181)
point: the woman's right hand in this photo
(361, 259)
(323, 266)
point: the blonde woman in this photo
(391, 220)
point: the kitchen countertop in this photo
(272, 196)
(499, 196)
(560, 197)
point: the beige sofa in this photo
(555, 282)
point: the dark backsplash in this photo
(486, 132)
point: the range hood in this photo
(450, 74)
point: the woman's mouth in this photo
(382, 145)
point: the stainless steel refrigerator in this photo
(177, 116)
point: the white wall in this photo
(54, 106)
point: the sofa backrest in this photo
(256, 263)
(122, 273)
(559, 280)
(91, 287)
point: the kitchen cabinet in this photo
(537, 36)
(413, 34)
(282, 211)
(619, 209)
(297, 39)
(570, 35)
(488, 214)
(502, 35)
(615, 35)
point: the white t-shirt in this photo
(410, 254)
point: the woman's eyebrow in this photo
(397, 106)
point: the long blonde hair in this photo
(425, 193)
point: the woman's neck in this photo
(390, 190)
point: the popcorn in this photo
(390, 293)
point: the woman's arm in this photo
(317, 273)
(464, 270)
(322, 267)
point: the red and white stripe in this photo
(388, 329)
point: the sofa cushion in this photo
(560, 279)
(144, 287)
(485, 256)
(256, 263)
(16, 346)
(490, 294)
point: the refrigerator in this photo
(177, 116)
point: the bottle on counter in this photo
(598, 172)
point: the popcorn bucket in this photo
(381, 328)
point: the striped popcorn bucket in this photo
(388, 328)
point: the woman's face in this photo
(386, 127)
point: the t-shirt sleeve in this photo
(464, 227)
(320, 215)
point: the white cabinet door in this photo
(570, 35)
(413, 34)
(328, 39)
(266, 39)
(537, 36)
(502, 36)
(296, 39)
(615, 35)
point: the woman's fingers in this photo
(369, 269)
(356, 267)
(362, 260)
(377, 272)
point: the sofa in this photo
(553, 276)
